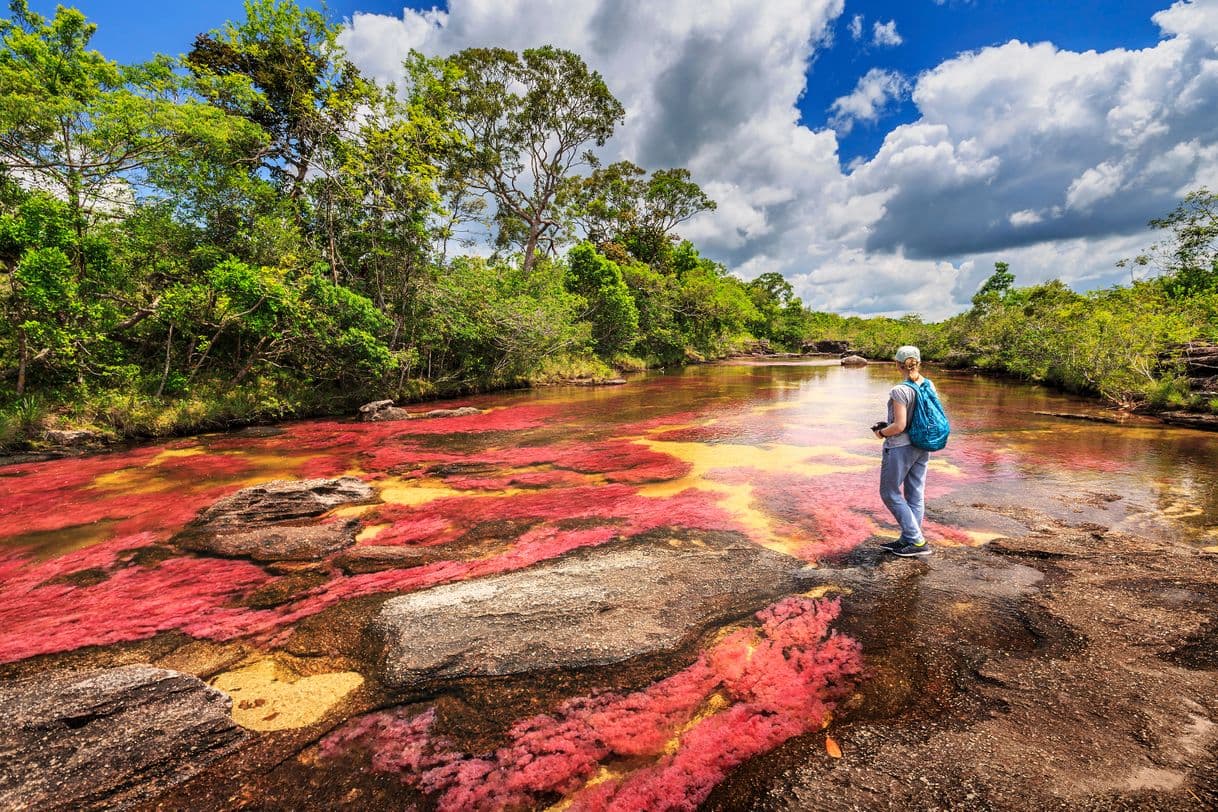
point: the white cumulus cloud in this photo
(1048, 159)
(886, 33)
(873, 94)
(856, 27)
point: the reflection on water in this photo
(779, 454)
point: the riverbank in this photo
(68, 430)
(35, 429)
(1065, 666)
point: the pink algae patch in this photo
(132, 603)
(68, 493)
(777, 682)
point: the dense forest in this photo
(255, 230)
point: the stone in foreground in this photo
(283, 500)
(108, 737)
(601, 606)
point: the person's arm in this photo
(897, 425)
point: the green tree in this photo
(1191, 266)
(619, 204)
(81, 126)
(611, 309)
(528, 118)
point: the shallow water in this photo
(777, 453)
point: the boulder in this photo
(1192, 420)
(381, 410)
(70, 438)
(275, 543)
(597, 381)
(283, 500)
(827, 347)
(464, 411)
(600, 606)
(108, 738)
(854, 361)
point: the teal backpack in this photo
(928, 426)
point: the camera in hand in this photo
(879, 425)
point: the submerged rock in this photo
(275, 543)
(284, 500)
(108, 737)
(1192, 420)
(854, 361)
(601, 606)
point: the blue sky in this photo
(932, 32)
(132, 30)
(881, 155)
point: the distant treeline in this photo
(1124, 344)
(255, 230)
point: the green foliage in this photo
(618, 205)
(1191, 266)
(527, 117)
(611, 309)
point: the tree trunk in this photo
(530, 249)
(23, 351)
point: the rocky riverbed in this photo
(504, 609)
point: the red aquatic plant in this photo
(774, 683)
(131, 603)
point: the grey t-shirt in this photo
(906, 395)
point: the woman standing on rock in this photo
(903, 470)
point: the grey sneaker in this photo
(910, 550)
(893, 546)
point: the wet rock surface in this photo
(379, 410)
(602, 606)
(276, 542)
(283, 500)
(1059, 669)
(108, 737)
(854, 361)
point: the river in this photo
(776, 453)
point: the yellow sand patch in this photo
(135, 480)
(415, 491)
(267, 696)
(1213, 549)
(822, 591)
(370, 531)
(173, 453)
(715, 704)
(979, 537)
(737, 499)
(602, 775)
(942, 466)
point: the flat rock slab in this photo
(376, 558)
(283, 500)
(276, 542)
(108, 737)
(601, 606)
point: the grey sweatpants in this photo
(902, 482)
